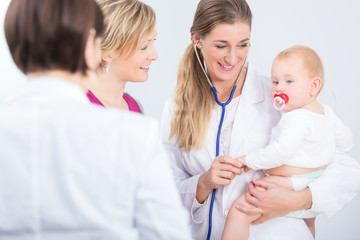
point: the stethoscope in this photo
(223, 105)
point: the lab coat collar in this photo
(246, 112)
(253, 90)
(245, 116)
(50, 87)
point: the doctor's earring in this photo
(108, 67)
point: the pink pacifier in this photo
(280, 100)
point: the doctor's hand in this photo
(272, 200)
(222, 171)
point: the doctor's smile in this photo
(226, 68)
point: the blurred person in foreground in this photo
(70, 169)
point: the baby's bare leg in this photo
(310, 222)
(237, 223)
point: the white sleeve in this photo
(339, 183)
(159, 213)
(186, 183)
(343, 136)
(293, 128)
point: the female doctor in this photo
(211, 66)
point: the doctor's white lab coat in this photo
(70, 169)
(251, 118)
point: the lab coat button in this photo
(226, 212)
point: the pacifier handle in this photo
(280, 99)
(277, 101)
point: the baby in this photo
(304, 140)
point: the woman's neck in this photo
(109, 90)
(223, 88)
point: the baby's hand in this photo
(242, 161)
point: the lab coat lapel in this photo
(245, 116)
(246, 112)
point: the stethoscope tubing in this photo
(223, 105)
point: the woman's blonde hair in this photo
(193, 100)
(127, 24)
(311, 61)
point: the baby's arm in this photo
(343, 135)
(289, 137)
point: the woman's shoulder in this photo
(257, 81)
(169, 105)
(168, 110)
(134, 105)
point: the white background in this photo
(330, 27)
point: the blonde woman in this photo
(127, 52)
(220, 36)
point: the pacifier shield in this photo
(282, 96)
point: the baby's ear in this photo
(316, 84)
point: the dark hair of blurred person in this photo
(47, 35)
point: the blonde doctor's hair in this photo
(127, 25)
(193, 99)
(311, 61)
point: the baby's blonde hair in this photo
(311, 60)
(127, 24)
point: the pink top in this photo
(133, 106)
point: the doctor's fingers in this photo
(227, 175)
(219, 181)
(247, 208)
(230, 161)
(220, 166)
(250, 198)
(230, 168)
(220, 178)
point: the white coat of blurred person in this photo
(70, 169)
